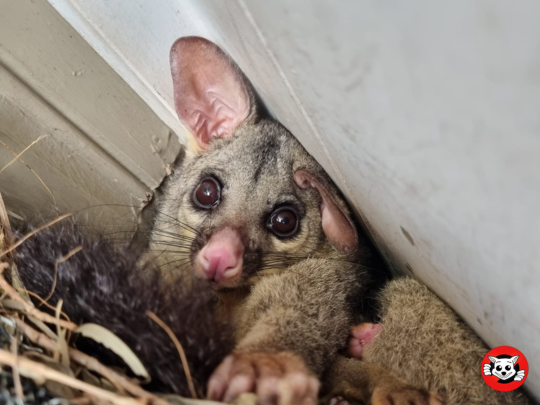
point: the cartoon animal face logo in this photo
(504, 368)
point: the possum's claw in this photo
(362, 335)
(405, 396)
(280, 379)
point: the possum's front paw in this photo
(404, 396)
(281, 379)
(362, 335)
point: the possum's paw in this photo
(404, 396)
(280, 378)
(520, 375)
(362, 335)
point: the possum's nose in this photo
(222, 257)
(503, 373)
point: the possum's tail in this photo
(102, 284)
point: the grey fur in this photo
(256, 168)
(426, 343)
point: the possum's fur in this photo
(104, 285)
(426, 343)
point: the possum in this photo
(422, 341)
(104, 284)
(251, 213)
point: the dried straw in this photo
(29, 309)
(20, 154)
(85, 360)
(30, 234)
(32, 369)
(29, 168)
(180, 349)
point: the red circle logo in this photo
(504, 368)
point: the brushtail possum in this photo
(254, 215)
(422, 341)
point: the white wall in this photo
(104, 148)
(425, 113)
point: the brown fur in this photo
(294, 295)
(425, 342)
(305, 310)
(361, 382)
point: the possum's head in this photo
(503, 366)
(249, 199)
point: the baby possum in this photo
(253, 214)
(424, 342)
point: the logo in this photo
(504, 368)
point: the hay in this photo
(32, 170)
(39, 366)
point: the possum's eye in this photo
(207, 194)
(283, 222)
(499, 368)
(507, 368)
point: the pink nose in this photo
(222, 257)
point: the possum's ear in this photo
(493, 359)
(336, 221)
(514, 359)
(210, 95)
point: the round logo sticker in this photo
(504, 368)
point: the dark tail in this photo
(102, 284)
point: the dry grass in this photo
(30, 335)
(180, 349)
(18, 156)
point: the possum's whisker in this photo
(173, 242)
(170, 262)
(173, 235)
(182, 224)
(157, 245)
(187, 248)
(171, 250)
